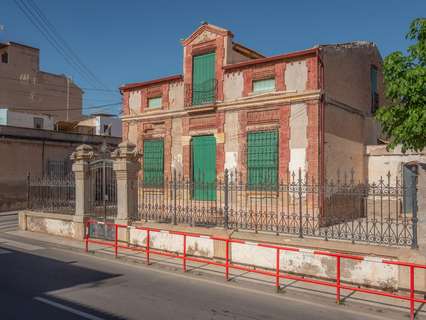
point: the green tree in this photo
(403, 120)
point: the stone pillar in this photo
(81, 157)
(126, 167)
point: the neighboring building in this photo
(26, 120)
(101, 124)
(25, 88)
(39, 153)
(233, 108)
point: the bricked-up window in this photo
(264, 85)
(153, 162)
(262, 160)
(154, 103)
(374, 93)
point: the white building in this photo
(26, 120)
(102, 124)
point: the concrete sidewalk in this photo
(244, 279)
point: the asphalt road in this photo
(42, 281)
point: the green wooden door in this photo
(262, 159)
(153, 162)
(203, 78)
(204, 167)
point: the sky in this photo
(131, 41)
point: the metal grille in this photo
(52, 193)
(340, 209)
(103, 190)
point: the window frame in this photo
(160, 182)
(264, 91)
(156, 98)
(37, 121)
(261, 185)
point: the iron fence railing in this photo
(299, 205)
(51, 193)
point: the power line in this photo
(64, 43)
(39, 20)
(65, 109)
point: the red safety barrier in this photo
(277, 274)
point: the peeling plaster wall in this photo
(174, 243)
(233, 86)
(135, 102)
(231, 140)
(133, 133)
(51, 226)
(296, 76)
(360, 272)
(298, 136)
(177, 147)
(176, 95)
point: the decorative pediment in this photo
(205, 32)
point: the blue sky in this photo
(129, 41)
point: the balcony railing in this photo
(205, 93)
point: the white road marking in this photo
(69, 309)
(19, 245)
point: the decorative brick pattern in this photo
(242, 164)
(279, 76)
(259, 117)
(168, 148)
(220, 146)
(312, 154)
(312, 82)
(284, 142)
(248, 82)
(126, 109)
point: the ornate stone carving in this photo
(126, 150)
(83, 152)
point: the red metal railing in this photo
(277, 274)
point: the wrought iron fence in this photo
(340, 209)
(52, 193)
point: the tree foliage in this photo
(403, 120)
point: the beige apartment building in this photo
(25, 88)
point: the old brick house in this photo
(233, 108)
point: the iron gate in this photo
(102, 198)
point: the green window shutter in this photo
(204, 167)
(264, 85)
(262, 159)
(154, 102)
(153, 162)
(203, 78)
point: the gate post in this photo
(126, 167)
(81, 157)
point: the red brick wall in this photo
(284, 141)
(312, 154)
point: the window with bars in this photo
(264, 85)
(153, 162)
(262, 159)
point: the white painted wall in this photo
(104, 120)
(24, 120)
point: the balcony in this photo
(201, 94)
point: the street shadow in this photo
(26, 280)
